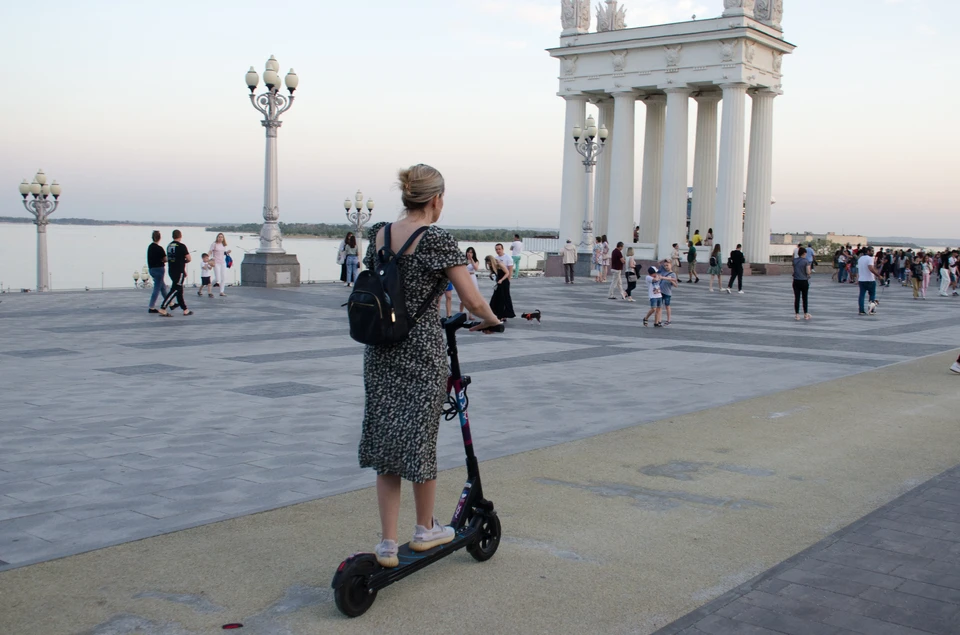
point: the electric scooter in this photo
(360, 577)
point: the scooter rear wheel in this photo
(352, 595)
(489, 538)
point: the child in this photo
(655, 295)
(205, 268)
(668, 280)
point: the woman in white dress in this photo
(218, 253)
(473, 266)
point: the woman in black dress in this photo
(501, 303)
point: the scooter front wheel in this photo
(488, 539)
(351, 592)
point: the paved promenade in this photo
(118, 425)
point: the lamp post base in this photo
(270, 270)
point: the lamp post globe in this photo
(589, 141)
(270, 264)
(358, 216)
(41, 207)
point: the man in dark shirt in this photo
(616, 271)
(735, 263)
(156, 258)
(177, 258)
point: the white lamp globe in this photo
(347, 204)
(55, 189)
(291, 80)
(270, 78)
(35, 188)
(273, 64)
(370, 204)
(45, 190)
(577, 132)
(252, 79)
(24, 188)
(41, 178)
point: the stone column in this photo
(756, 240)
(652, 168)
(728, 225)
(705, 164)
(574, 178)
(673, 190)
(601, 199)
(620, 219)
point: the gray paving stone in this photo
(781, 623)
(64, 425)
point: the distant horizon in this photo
(16, 220)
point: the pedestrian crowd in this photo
(175, 257)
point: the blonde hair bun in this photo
(419, 184)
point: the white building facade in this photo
(718, 62)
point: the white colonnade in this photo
(718, 176)
(716, 61)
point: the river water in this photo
(105, 256)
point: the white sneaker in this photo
(955, 368)
(386, 553)
(740, 292)
(728, 290)
(425, 539)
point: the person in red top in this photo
(616, 270)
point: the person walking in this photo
(218, 253)
(716, 269)
(668, 280)
(473, 267)
(616, 272)
(405, 384)
(504, 258)
(177, 258)
(605, 251)
(915, 267)
(598, 259)
(675, 257)
(841, 266)
(206, 267)
(569, 257)
(156, 259)
(927, 268)
(692, 263)
(801, 282)
(867, 274)
(516, 251)
(708, 241)
(630, 271)
(501, 303)
(736, 262)
(352, 260)
(945, 274)
(655, 296)
(342, 258)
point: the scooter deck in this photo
(412, 561)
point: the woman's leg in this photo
(796, 297)
(804, 292)
(388, 500)
(449, 298)
(424, 495)
(343, 272)
(221, 269)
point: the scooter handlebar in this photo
(493, 329)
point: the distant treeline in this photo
(88, 221)
(325, 230)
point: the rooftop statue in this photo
(611, 18)
(575, 16)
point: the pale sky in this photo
(140, 111)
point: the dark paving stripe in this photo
(283, 389)
(297, 355)
(893, 570)
(851, 360)
(145, 369)
(923, 325)
(41, 352)
(153, 321)
(240, 339)
(783, 340)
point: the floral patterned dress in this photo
(406, 383)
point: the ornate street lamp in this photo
(358, 218)
(589, 150)
(41, 207)
(271, 104)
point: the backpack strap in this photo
(385, 250)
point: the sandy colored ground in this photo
(620, 533)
